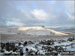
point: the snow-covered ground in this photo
(40, 31)
(40, 47)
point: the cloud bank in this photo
(27, 13)
(39, 14)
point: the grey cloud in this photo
(8, 12)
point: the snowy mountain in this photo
(40, 31)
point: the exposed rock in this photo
(2, 45)
(70, 39)
(25, 43)
(44, 47)
(48, 42)
(59, 48)
(21, 52)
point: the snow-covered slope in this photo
(40, 31)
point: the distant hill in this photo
(40, 31)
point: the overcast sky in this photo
(28, 13)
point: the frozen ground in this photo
(35, 42)
(32, 33)
(40, 47)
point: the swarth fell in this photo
(42, 28)
(26, 28)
